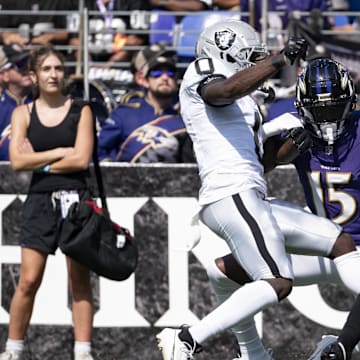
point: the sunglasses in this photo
(158, 73)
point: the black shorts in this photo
(41, 221)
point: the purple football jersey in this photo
(331, 181)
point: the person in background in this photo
(141, 58)
(109, 33)
(179, 5)
(32, 27)
(229, 142)
(328, 172)
(52, 137)
(195, 5)
(146, 127)
(16, 90)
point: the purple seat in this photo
(162, 27)
(192, 25)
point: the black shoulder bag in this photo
(90, 237)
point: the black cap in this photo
(154, 56)
(12, 54)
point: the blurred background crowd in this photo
(127, 58)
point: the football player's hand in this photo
(264, 95)
(269, 94)
(296, 48)
(301, 139)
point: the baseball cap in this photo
(12, 55)
(154, 56)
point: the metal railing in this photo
(176, 32)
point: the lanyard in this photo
(106, 13)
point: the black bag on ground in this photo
(92, 239)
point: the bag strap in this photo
(77, 107)
(98, 173)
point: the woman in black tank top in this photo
(53, 137)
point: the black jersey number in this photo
(204, 66)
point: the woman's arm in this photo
(50, 37)
(22, 156)
(79, 158)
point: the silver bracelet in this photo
(46, 168)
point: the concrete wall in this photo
(170, 285)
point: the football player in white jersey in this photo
(226, 129)
(325, 99)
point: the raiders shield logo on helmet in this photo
(224, 39)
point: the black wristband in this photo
(278, 61)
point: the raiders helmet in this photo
(233, 42)
(325, 96)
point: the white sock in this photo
(244, 302)
(310, 270)
(14, 345)
(250, 344)
(82, 347)
(345, 265)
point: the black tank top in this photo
(45, 138)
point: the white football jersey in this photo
(227, 140)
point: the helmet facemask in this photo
(327, 119)
(325, 99)
(247, 57)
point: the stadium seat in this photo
(192, 25)
(162, 27)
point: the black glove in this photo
(295, 48)
(269, 94)
(301, 139)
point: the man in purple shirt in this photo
(147, 127)
(16, 90)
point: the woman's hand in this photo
(64, 151)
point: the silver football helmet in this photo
(233, 42)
